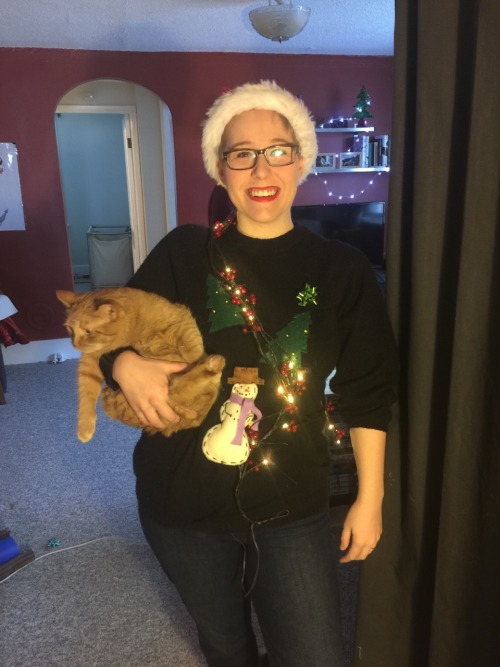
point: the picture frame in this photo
(325, 160)
(350, 160)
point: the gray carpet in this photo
(99, 598)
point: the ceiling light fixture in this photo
(279, 21)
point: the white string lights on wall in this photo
(353, 195)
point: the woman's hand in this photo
(144, 383)
(363, 523)
(362, 530)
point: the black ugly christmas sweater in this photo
(319, 304)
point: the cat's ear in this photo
(66, 297)
(108, 307)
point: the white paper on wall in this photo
(11, 203)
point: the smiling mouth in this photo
(263, 194)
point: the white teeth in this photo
(264, 193)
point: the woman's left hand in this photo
(362, 530)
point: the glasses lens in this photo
(245, 158)
(242, 159)
(279, 156)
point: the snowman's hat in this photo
(245, 375)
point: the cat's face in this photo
(92, 324)
(90, 332)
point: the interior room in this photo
(93, 98)
(100, 158)
(330, 83)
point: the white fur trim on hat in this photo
(263, 95)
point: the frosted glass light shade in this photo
(7, 308)
(279, 22)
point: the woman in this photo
(237, 509)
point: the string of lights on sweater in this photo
(289, 376)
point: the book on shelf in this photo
(374, 152)
(360, 143)
(384, 150)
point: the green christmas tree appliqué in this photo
(222, 313)
(291, 341)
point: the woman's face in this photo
(262, 195)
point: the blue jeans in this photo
(294, 592)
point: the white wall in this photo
(39, 350)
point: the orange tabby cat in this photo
(107, 319)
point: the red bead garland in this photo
(293, 380)
(238, 297)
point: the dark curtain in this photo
(430, 592)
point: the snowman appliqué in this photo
(228, 442)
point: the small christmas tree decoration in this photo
(362, 112)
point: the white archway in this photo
(148, 149)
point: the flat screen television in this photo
(360, 224)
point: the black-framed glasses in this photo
(280, 155)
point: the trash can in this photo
(110, 256)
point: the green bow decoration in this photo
(308, 295)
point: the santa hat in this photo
(263, 95)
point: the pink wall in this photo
(36, 262)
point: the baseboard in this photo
(39, 350)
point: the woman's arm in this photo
(363, 523)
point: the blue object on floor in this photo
(11, 557)
(8, 549)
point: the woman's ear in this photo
(301, 165)
(222, 172)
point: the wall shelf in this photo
(352, 130)
(365, 151)
(331, 170)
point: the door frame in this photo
(132, 167)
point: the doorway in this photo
(115, 145)
(92, 158)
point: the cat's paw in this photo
(85, 432)
(215, 363)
